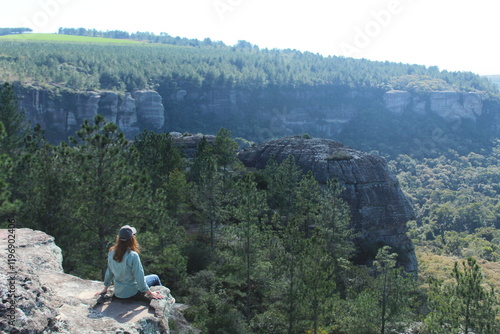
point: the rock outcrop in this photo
(49, 301)
(447, 104)
(323, 111)
(397, 100)
(379, 209)
(150, 111)
(188, 144)
(61, 113)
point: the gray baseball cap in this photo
(126, 232)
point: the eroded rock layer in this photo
(379, 208)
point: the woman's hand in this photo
(154, 295)
(103, 292)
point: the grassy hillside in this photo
(65, 39)
(440, 267)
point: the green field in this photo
(66, 39)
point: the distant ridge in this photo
(167, 62)
(495, 78)
(14, 31)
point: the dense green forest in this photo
(255, 252)
(181, 64)
(14, 31)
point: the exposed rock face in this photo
(275, 112)
(50, 301)
(452, 105)
(447, 104)
(397, 100)
(108, 106)
(189, 143)
(325, 111)
(379, 209)
(62, 113)
(150, 111)
(127, 121)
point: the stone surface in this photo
(87, 105)
(108, 106)
(150, 110)
(449, 105)
(453, 105)
(325, 111)
(50, 301)
(397, 100)
(62, 113)
(189, 143)
(473, 104)
(379, 208)
(127, 116)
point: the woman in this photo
(125, 268)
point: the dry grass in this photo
(440, 267)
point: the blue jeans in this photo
(152, 280)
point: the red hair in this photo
(121, 247)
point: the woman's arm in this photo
(139, 278)
(108, 278)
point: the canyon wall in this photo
(324, 111)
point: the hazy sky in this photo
(456, 35)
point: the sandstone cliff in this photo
(324, 111)
(379, 209)
(49, 301)
(447, 104)
(62, 113)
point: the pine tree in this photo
(335, 222)
(201, 156)
(250, 208)
(307, 203)
(291, 245)
(15, 127)
(108, 190)
(318, 284)
(177, 192)
(393, 288)
(282, 184)
(464, 306)
(208, 196)
(384, 263)
(8, 208)
(282, 181)
(158, 155)
(42, 182)
(329, 247)
(225, 149)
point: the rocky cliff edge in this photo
(379, 209)
(46, 300)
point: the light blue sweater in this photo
(127, 275)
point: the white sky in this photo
(456, 35)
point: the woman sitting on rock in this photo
(125, 268)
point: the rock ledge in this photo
(49, 301)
